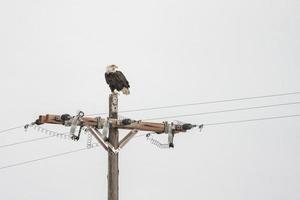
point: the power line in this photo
(25, 141)
(208, 124)
(251, 120)
(33, 140)
(43, 130)
(11, 129)
(43, 158)
(224, 111)
(202, 103)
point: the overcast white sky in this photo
(53, 59)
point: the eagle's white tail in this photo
(125, 91)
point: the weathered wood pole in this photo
(113, 159)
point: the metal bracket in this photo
(99, 122)
(169, 131)
(105, 128)
(102, 141)
(75, 122)
(108, 146)
(98, 138)
(127, 138)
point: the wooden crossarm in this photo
(56, 119)
(93, 122)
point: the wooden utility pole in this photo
(113, 159)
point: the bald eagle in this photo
(116, 80)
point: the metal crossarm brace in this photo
(98, 138)
(110, 146)
(105, 144)
(127, 138)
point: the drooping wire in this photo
(201, 103)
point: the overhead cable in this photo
(26, 141)
(11, 129)
(43, 158)
(224, 111)
(202, 103)
(251, 120)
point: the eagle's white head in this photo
(111, 68)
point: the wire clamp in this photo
(77, 120)
(169, 130)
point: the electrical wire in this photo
(224, 111)
(142, 135)
(208, 124)
(25, 141)
(202, 103)
(44, 158)
(39, 139)
(251, 120)
(51, 134)
(11, 129)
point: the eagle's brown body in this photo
(117, 81)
